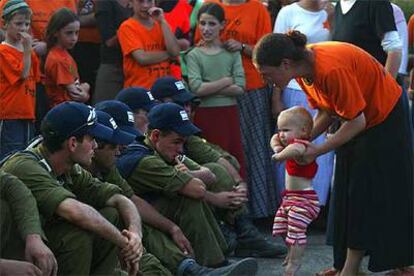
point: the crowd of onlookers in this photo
(157, 122)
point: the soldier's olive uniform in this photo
(207, 154)
(158, 182)
(155, 241)
(18, 210)
(77, 251)
(202, 152)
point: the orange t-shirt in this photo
(17, 95)
(132, 36)
(411, 32)
(351, 85)
(60, 70)
(246, 23)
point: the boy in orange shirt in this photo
(19, 72)
(147, 45)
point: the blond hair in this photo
(299, 116)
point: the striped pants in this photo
(296, 212)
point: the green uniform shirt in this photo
(50, 190)
(22, 205)
(155, 176)
(114, 177)
(200, 150)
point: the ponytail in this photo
(272, 48)
(297, 38)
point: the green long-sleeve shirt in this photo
(204, 67)
(22, 205)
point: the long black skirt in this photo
(374, 195)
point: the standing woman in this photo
(374, 170)
(246, 22)
(310, 18)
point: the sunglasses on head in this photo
(90, 121)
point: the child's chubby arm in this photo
(295, 150)
(275, 143)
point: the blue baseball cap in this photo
(119, 137)
(171, 116)
(122, 114)
(75, 119)
(171, 87)
(136, 98)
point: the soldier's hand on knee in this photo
(12, 267)
(132, 268)
(181, 241)
(229, 199)
(134, 249)
(39, 254)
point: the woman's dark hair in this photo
(58, 21)
(212, 9)
(272, 48)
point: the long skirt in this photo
(221, 126)
(322, 180)
(257, 127)
(374, 195)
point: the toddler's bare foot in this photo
(286, 260)
(291, 269)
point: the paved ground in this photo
(318, 255)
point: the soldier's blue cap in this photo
(171, 116)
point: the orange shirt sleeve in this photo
(62, 73)
(128, 39)
(11, 67)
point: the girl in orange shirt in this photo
(19, 71)
(62, 78)
(374, 164)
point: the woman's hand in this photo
(312, 151)
(232, 45)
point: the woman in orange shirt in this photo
(374, 170)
